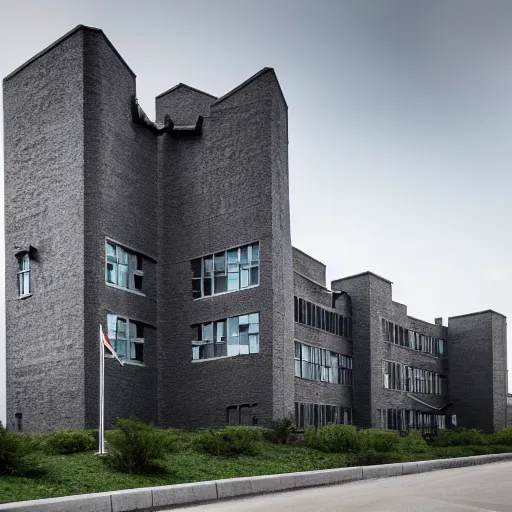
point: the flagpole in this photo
(101, 430)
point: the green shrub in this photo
(462, 437)
(229, 441)
(381, 441)
(334, 438)
(371, 457)
(281, 431)
(135, 447)
(15, 450)
(503, 437)
(65, 442)
(414, 443)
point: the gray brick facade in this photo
(83, 167)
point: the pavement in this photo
(477, 488)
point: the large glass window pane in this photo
(255, 256)
(243, 338)
(233, 281)
(254, 343)
(244, 278)
(244, 255)
(122, 267)
(254, 276)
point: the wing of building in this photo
(175, 236)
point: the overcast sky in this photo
(400, 118)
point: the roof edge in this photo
(309, 256)
(261, 72)
(478, 313)
(61, 40)
(187, 87)
(368, 272)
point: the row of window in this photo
(321, 414)
(127, 338)
(402, 377)
(399, 335)
(314, 363)
(227, 337)
(226, 271)
(404, 419)
(310, 314)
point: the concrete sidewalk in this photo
(158, 498)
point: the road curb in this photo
(157, 498)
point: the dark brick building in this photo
(175, 236)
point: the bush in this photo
(334, 438)
(15, 450)
(229, 441)
(503, 437)
(134, 447)
(381, 441)
(65, 442)
(414, 443)
(462, 437)
(371, 457)
(281, 431)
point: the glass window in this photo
(123, 267)
(228, 337)
(24, 275)
(127, 338)
(226, 271)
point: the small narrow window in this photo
(24, 275)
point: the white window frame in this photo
(128, 340)
(132, 269)
(23, 272)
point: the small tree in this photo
(281, 431)
(135, 447)
(14, 452)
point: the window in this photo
(23, 275)
(307, 313)
(226, 271)
(123, 267)
(402, 377)
(127, 338)
(322, 365)
(233, 336)
(404, 337)
(244, 414)
(321, 414)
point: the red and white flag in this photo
(108, 346)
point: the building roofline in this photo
(61, 40)
(423, 321)
(248, 81)
(368, 272)
(186, 87)
(306, 254)
(478, 313)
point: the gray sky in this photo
(400, 114)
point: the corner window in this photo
(23, 275)
(228, 337)
(127, 338)
(226, 271)
(123, 267)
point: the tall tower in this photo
(108, 219)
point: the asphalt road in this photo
(487, 487)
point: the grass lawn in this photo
(62, 475)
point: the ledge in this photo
(155, 498)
